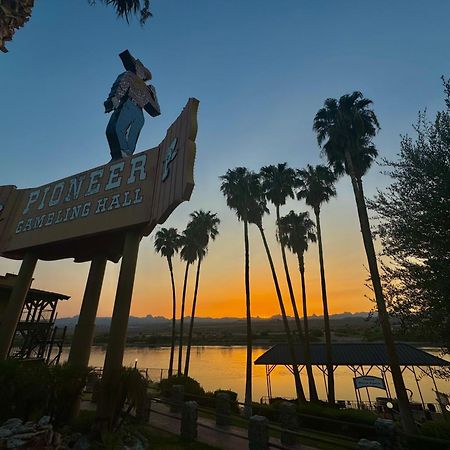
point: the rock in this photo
(82, 444)
(44, 420)
(5, 432)
(57, 441)
(21, 429)
(12, 423)
(13, 442)
(364, 444)
(71, 439)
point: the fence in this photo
(260, 432)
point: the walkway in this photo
(223, 438)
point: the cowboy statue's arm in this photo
(118, 91)
(152, 106)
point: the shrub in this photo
(191, 386)
(30, 390)
(436, 428)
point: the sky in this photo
(261, 70)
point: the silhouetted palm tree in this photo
(296, 231)
(345, 129)
(256, 213)
(239, 186)
(167, 243)
(189, 253)
(127, 8)
(204, 226)
(278, 183)
(316, 186)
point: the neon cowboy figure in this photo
(128, 97)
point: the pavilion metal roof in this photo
(351, 354)
(7, 282)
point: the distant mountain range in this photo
(158, 321)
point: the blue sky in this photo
(261, 70)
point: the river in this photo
(218, 367)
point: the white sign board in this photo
(367, 381)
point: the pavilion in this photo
(361, 358)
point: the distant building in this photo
(36, 336)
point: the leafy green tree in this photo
(14, 14)
(188, 253)
(345, 129)
(167, 244)
(239, 186)
(257, 210)
(204, 226)
(414, 224)
(296, 231)
(316, 186)
(278, 183)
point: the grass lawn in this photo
(161, 440)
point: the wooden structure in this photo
(98, 215)
(362, 358)
(36, 336)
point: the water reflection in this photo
(224, 367)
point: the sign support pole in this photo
(110, 386)
(12, 313)
(80, 350)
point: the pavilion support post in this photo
(413, 370)
(110, 385)
(83, 335)
(13, 310)
(436, 390)
(354, 385)
(367, 389)
(325, 374)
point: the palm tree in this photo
(296, 231)
(126, 8)
(278, 183)
(167, 243)
(239, 186)
(188, 254)
(316, 186)
(257, 210)
(345, 129)
(204, 226)
(16, 13)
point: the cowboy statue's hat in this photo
(134, 65)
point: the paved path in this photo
(209, 433)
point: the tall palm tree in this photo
(296, 231)
(278, 183)
(188, 254)
(167, 243)
(204, 226)
(256, 213)
(316, 186)
(14, 14)
(345, 129)
(239, 186)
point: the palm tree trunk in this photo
(298, 384)
(301, 265)
(183, 302)
(326, 316)
(407, 419)
(301, 337)
(172, 347)
(191, 325)
(249, 362)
